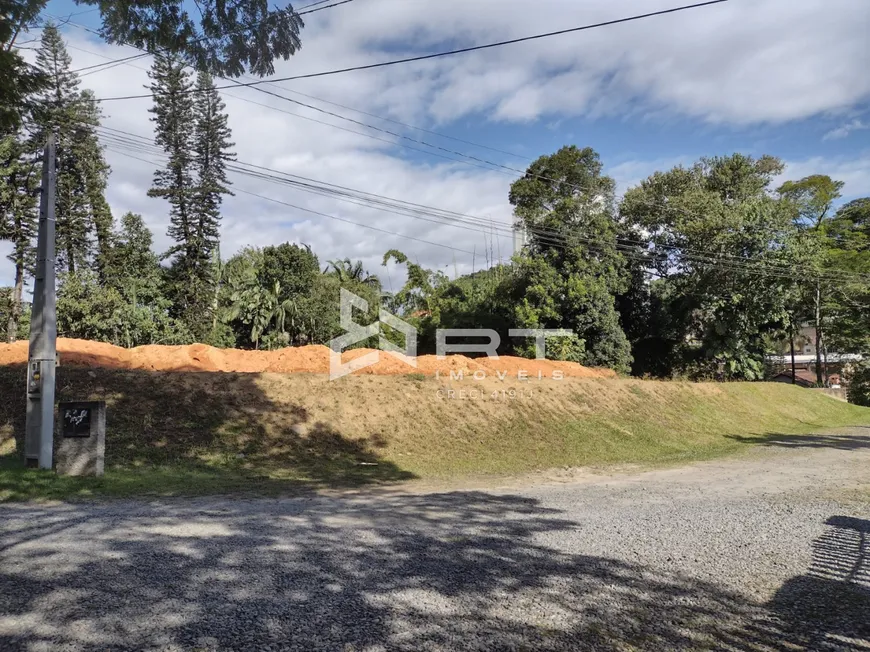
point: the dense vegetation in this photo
(698, 271)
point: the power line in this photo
(480, 163)
(461, 154)
(400, 123)
(546, 236)
(443, 54)
(302, 13)
(112, 63)
(313, 212)
(762, 268)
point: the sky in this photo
(781, 77)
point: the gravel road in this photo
(767, 552)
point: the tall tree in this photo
(811, 200)
(295, 267)
(19, 183)
(132, 267)
(174, 118)
(211, 150)
(848, 251)
(573, 285)
(72, 116)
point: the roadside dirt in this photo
(304, 359)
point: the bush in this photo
(859, 388)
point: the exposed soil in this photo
(310, 359)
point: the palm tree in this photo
(282, 309)
(348, 271)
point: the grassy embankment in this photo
(183, 433)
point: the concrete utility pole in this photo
(39, 433)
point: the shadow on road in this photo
(841, 442)
(468, 571)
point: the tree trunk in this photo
(825, 362)
(819, 377)
(793, 366)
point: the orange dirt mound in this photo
(305, 359)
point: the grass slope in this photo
(179, 433)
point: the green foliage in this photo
(261, 310)
(9, 311)
(225, 38)
(349, 271)
(419, 289)
(859, 386)
(72, 116)
(714, 316)
(88, 310)
(18, 80)
(211, 151)
(195, 136)
(848, 302)
(292, 266)
(19, 179)
(571, 286)
(811, 198)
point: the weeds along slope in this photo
(386, 428)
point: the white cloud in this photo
(846, 129)
(738, 63)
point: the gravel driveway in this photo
(768, 552)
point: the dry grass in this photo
(206, 432)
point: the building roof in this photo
(805, 359)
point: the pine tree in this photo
(72, 116)
(193, 227)
(211, 152)
(174, 124)
(19, 183)
(192, 129)
(95, 174)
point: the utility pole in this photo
(39, 433)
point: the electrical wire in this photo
(425, 57)
(550, 238)
(472, 161)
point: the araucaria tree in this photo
(72, 116)
(19, 180)
(211, 150)
(191, 127)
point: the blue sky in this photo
(780, 77)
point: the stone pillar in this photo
(81, 447)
